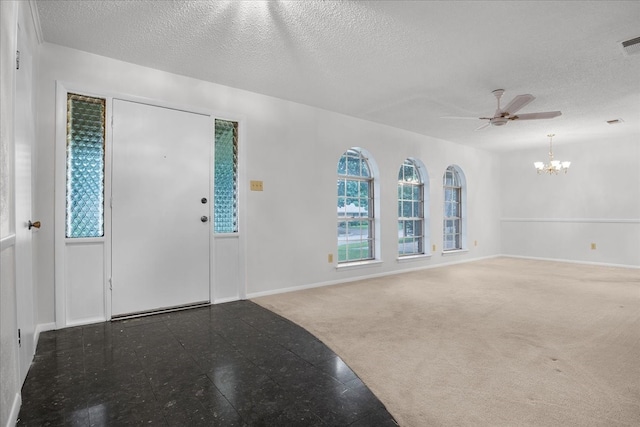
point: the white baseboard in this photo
(300, 288)
(15, 410)
(86, 321)
(44, 327)
(41, 327)
(576, 220)
(573, 261)
(366, 277)
(223, 300)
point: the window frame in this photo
(344, 217)
(70, 182)
(454, 187)
(217, 228)
(417, 188)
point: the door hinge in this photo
(17, 59)
(110, 284)
(19, 338)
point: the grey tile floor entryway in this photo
(233, 364)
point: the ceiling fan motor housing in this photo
(499, 121)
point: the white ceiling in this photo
(403, 63)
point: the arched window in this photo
(411, 211)
(454, 209)
(355, 208)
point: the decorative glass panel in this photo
(225, 216)
(85, 166)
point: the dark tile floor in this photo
(233, 364)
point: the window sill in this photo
(455, 252)
(356, 264)
(226, 235)
(83, 240)
(410, 258)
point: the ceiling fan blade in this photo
(534, 116)
(457, 117)
(484, 126)
(517, 103)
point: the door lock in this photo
(204, 218)
(203, 200)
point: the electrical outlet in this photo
(256, 185)
(330, 258)
(593, 246)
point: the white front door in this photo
(160, 207)
(25, 136)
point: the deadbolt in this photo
(204, 218)
(203, 200)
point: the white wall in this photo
(558, 217)
(294, 149)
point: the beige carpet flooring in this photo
(496, 342)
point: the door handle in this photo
(34, 224)
(204, 218)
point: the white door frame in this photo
(63, 261)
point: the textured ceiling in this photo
(405, 64)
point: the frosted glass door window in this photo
(85, 166)
(225, 216)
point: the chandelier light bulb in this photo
(554, 166)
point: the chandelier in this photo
(554, 166)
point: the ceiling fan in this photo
(503, 115)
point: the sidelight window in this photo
(225, 218)
(85, 166)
